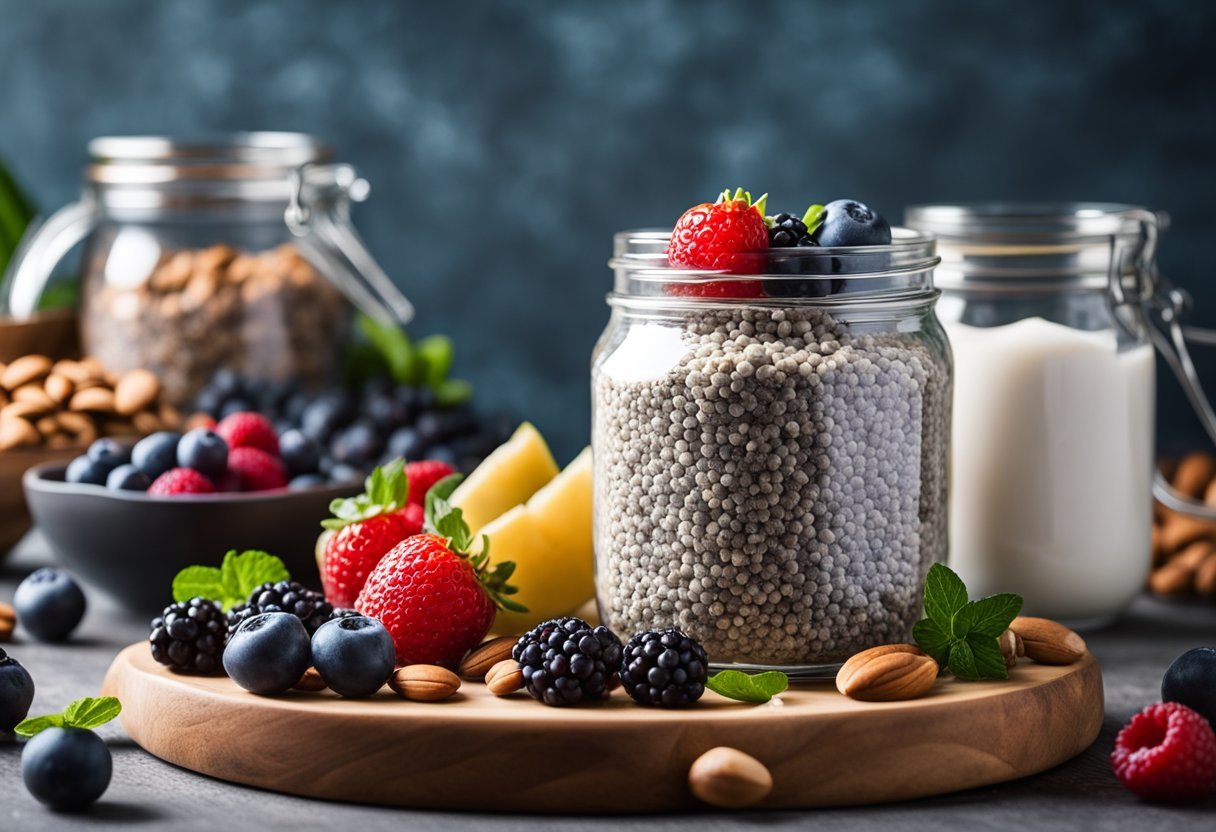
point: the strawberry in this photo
(249, 430)
(436, 599)
(422, 475)
(726, 235)
(364, 529)
(256, 470)
(180, 481)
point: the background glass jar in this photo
(1054, 401)
(235, 253)
(770, 452)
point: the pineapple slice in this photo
(550, 540)
(507, 477)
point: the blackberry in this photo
(664, 668)
(306, 604)
(787, 231)
(566, 661)
(189, 637)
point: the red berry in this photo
(249, 430)
(180, 481)
(721, 236)
(1167, 752)
(256, 470)
(431, 601)
(422, 475)
(354, 550)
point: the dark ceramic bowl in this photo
(130, 545)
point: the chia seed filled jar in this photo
(771, 451)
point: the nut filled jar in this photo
(771, 451)
(236, 253)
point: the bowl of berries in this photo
(126, 517)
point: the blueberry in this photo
(209, 401)
(204, 451)
(238, 405)
(86, 471)
(303, 481)
(443, 453)
(340, 472)
(1191, 680)
(300, 453)
(157, 453)
(424, 399)
(386, 411)
(405, 443)
(847, 222)
(49, 604)
(128, 478)
(109, 453)
(16, 692)
(433, 426)
(354, 655)
(357, 444)
(268, 653)
(226, 382)
(66, 768)
(294, 407)
(321, 418)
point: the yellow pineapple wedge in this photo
(549, 538)
(506, 478)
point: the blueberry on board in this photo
(847, 222)
(268, 653)
(1191, 680)
(108, 454)
(128, 478)
(300, 453)
(49, 604)
(66, 768)
(85, 471)
(303, 481)
(354, 655)
(205, 451)
(16, 692)
(357, 445)
(156, 453)
(405, 443)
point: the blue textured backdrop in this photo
(506, 142)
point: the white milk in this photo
(1052, 459)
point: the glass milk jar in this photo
(1053, 405)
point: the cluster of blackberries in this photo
(359, 429)
(566, 661)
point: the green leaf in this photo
(440, 491)
(198, 582)
(993, 615)
(989, 661)
(735, 684)
(933, 640)
(961, 621)
(453, 391)
(394, 345)
(945, 595)
(38, 724)
(250, 569)
(91, 712)
(813, 218)
(435, 352)
(386, 489)
(962, 661)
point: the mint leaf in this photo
(453, 391)
(197, 582)
(247, 571)
(993, 615)
(945, 594)
(435, 352)
(91, 713)
(962, 661)
(735, 684)
(933, 640)
(394, 346)
(962, 620)
(989, 660)
(38, 724)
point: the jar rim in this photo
(151, 161)
(1043, 223)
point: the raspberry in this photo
(256, 470)
(249, 430)
(180, 481)
(422, 475)
(1168, 753)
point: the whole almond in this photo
(136, 390)
(1193, 474)
(20, 410)
(1205, 577)
(71, 370)
(1180, 530)
(424, 682)
(1047, 641)
(504, 677)
(729, 778)
(48, 426)
(16, 432)
(58, 387)
(485, 655)
(146, 422)
(1192, 555)
(93, 399)
(8, 621)
(25, 369)
(35, 395)
(1009, 644)
(169, 416)
(887, 673)
(311, 681)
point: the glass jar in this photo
(236, 253)
(770, 452)
(1054, 401)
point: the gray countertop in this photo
(148, 793)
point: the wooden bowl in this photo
(130, 545)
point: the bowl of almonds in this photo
(1184, 546)
(51, 410)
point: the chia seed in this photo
(778, 492)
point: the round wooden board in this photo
(478, 752)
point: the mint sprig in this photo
(388, 350)
(959, 634)
(760, 687)
(85, 713)
(387, 489)
(231, 583)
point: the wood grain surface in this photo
(479, 752)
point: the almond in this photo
(729, 778)
(485, 655)
(135, 391)
(1012, 648)
(93, 399)
(58, 387)
(1180, 530)
(1171, 579)
(887, 673)
(34, 394)
(8, 620)
(1205, 577)
(1047, 641)
(25, 369)
(424, 682)
(504, 677)
(311, 681)
(1193, 474)
(16, 432)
